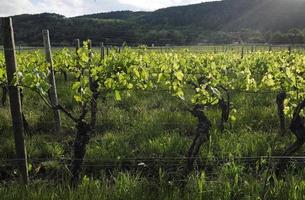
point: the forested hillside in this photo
(227, 21)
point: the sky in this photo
(71, 8)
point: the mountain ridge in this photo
(224, 21)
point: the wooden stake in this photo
(14, 96)
(52, 90)
(107, 51)
(102, 51)
(77, 45)
(95, 94)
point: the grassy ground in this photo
(146, 125)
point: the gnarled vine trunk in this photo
(80, 143)
(4, 96)
(25, 124)
(202, 135)
(65, 75)
(225, 111)
(298, 128)
(280, 98)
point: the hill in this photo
(227, 21)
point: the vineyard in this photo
(137, 123)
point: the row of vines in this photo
(199, 80)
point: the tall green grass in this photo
(155, 125)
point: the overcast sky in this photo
(78, 7)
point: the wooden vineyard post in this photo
(14, 96)
(107, 51)
(90, 50)
(95, 94)
(77, 45)
(52, 90)
(102, 51)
